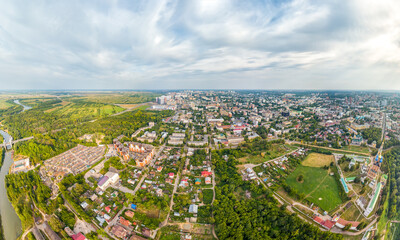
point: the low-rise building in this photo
(107, 180)
(22, 165)
(119, 231)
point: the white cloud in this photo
(200, 44)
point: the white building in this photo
(22, 165)
(107, 180)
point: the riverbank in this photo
(24, 106)
(12, 228)
(2, 152)
(1, 230)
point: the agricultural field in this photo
(4, 104)
(116, 98)
(317, 186)
(86, 110)
(317, 160)
(276, 150)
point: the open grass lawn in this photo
(317, 186)
(207, 196)
(351, 214)
(384, 218)
(277, 150)
(318, 160)
(151, 212)
(356, 149)
(144, 107)
(170, 236)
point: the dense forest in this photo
(258, 217)
(73, 199)
(393, 141)
(373, 134)
(45, 146)
(25, 189)
(392, 160)
(54, 114)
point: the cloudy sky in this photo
(200, 44)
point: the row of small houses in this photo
(336, 221)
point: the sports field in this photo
(317, 160)
(317, 186)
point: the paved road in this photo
(23, 139)
(165, 222)
(25, 233)
(383, 126)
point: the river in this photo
(10, 220)
(25, 107)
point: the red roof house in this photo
(206, 173)
(78, 236)
(108, 209)
(318, 220)
(328, 224)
